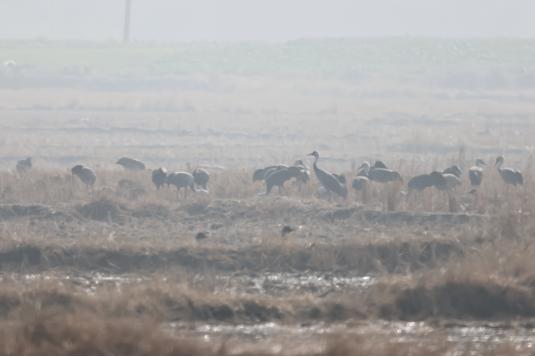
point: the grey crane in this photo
(378, 174)
(364, 169)
(361, 184)
(85, 174)
(24, 165)
(378, 164)
(131, 164)
(181, 180)
(341, 178)
(330, 182)
(454, 170)
(280, 176)
(305, 176)
(509, 176)
(259, 174)
(421, 182)
(451, 181)
(159, 177)
(475, 173)
(201, 177)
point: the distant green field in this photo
(493, 62)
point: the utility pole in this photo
(126, 29)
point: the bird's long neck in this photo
(499, 166)
(315, 165)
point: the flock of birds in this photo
(331, 183)
(197, 181)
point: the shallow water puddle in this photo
(472, 338)
(282, 283)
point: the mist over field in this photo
(267, 177)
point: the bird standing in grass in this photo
(329, 181)
(475, 173)
(286, 230)
(453, 170)
(181, 180)
(24, 165)
(202, 236)
(201, 178)
(509, 176)
(260, 174)
(280, 176)
(85, 174)
(159, 177)
(131, 164)
(378, 172)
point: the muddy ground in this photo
(345, 272)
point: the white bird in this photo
(509, 176)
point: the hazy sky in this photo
(236, 20)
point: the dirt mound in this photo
(15, 211)
(130, 189)
(462, 300)
(152, 211)
(103, 210)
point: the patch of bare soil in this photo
(103, 210)
(152, 211)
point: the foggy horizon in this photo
(276, 21)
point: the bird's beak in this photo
(311, 154)
(361, 166)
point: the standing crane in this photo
(181, 180)
(159, 177)
(131, 164)
(85, 174)
(201, 178)
(330, 182)
(509, 176)
(24, 165)
(475, 173)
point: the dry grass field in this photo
(118, 269)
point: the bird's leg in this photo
(284, 188)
